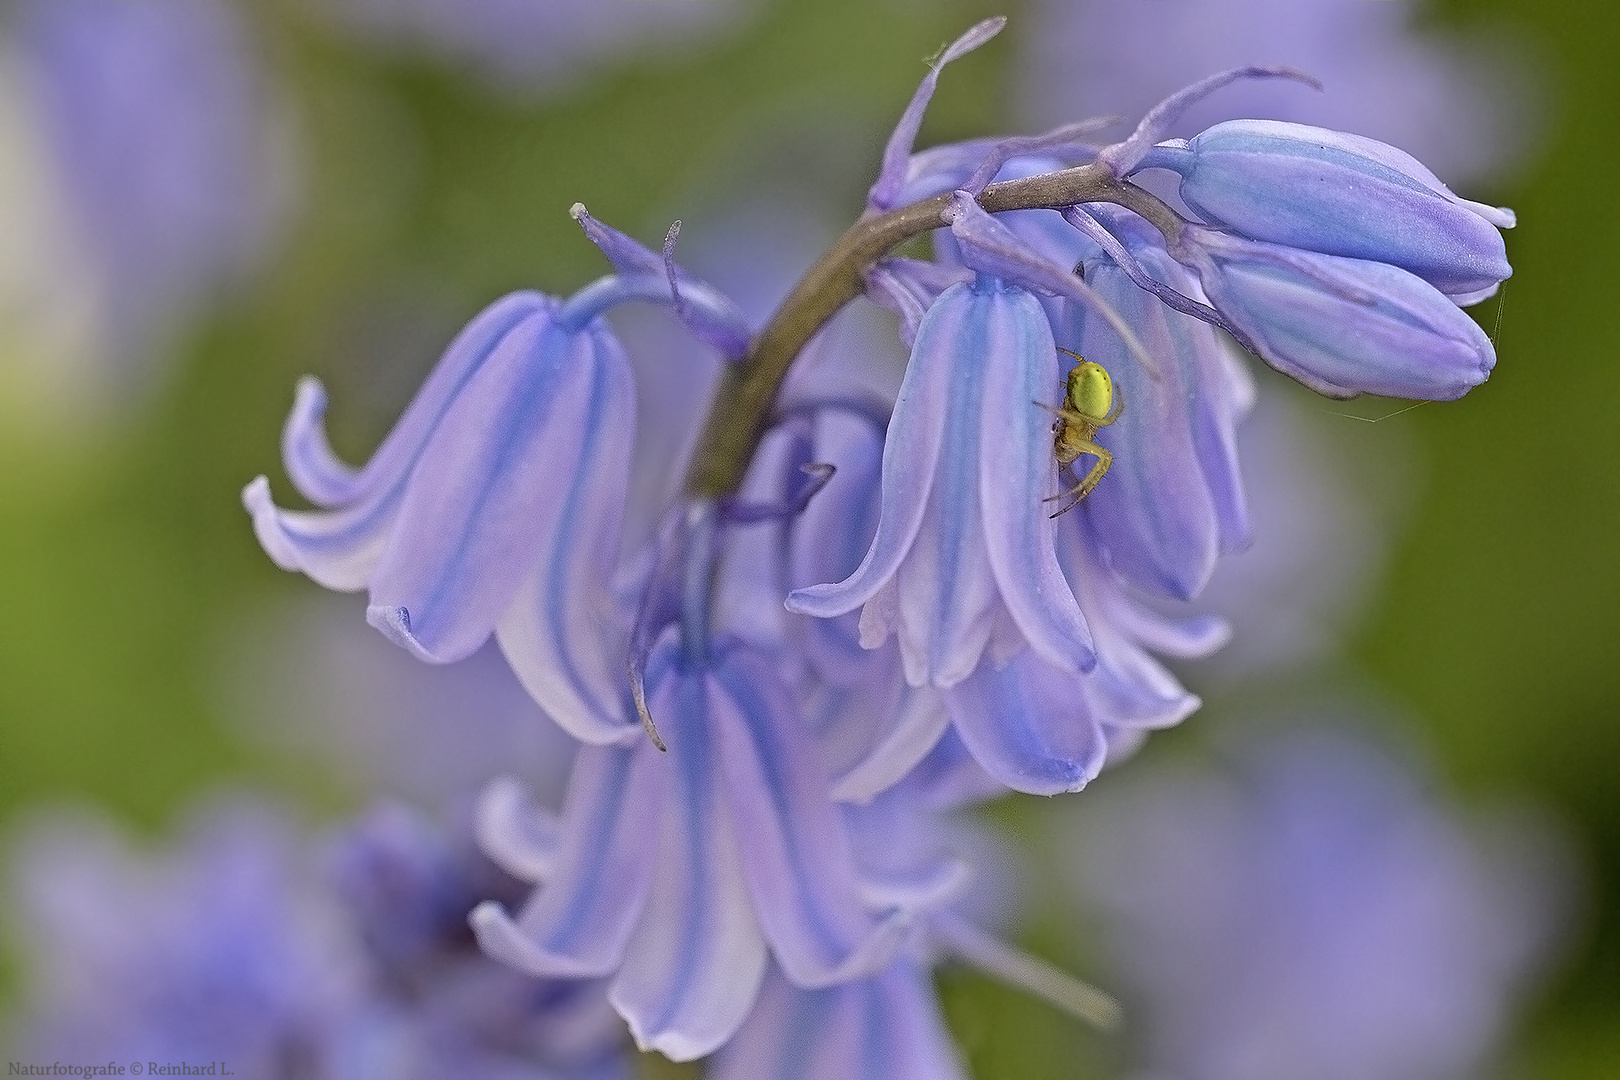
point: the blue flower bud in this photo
(1340, 326)
(1339, 194)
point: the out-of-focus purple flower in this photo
(235, 947)
(1312, 911)
(223, 948)
(535, 46)
(1448, 97)
(156, 117)
(963, 560)
(438, 1006)
(1339, 194)
(495, 501)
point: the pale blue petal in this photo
(911, 730)
(321, 478)
(520, 836)
(1153, 511)
(884, 1028)
(339, 549)
(1017, 471)
(1029, 725)
(796, 852)
(508, 448)
(1345, 326)
(578, 923)
(694, 966)
(911, 455)
(562, 634)
(1339, 194)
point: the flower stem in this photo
(743, 402)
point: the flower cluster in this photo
(725, 855)
(346, 959)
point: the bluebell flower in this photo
(1339, 194)
(680, 873)
(1311, 910)
(494, 503)
(963, 560)
(1174, 500)
(222, 948)
(1341, 326)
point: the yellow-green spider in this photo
(1089, 402)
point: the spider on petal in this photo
(1089, 403)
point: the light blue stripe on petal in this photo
(947, 591)
(911, 453)
(321, 478)
(508, 445)
(695, 963)
(1029, 726)
(578, 923)
(797, 854)
(562, 633)
(1017, 471)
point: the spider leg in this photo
(1113, 414)
(1092, 478)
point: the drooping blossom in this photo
(1308, 907)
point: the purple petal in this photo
(507, 456)
(913, 728)
(797, 854)
(1017, 471)
(562, 634)
(321, 478)
(578, 923)
(882, 1028)
(1029, 725)
(1153, 511)
(911, 455)
(695, 963)
(339, 549)
(1346, 326)
(1123, 157)
(520, 836)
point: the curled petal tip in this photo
(578, 212)
(256, 500)
(395, 624)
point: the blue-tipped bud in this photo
(1339, 194)
(1340, 326)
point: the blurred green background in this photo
(126, 560)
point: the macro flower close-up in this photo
(562, 541)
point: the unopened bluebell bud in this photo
(1340, 326)
(1339, 194)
